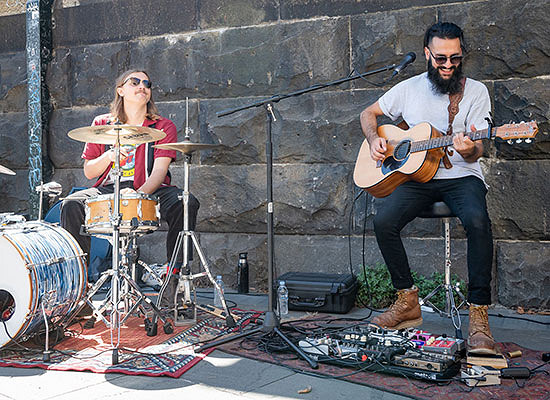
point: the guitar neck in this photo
(444, 141)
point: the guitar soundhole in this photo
(402, 150)
(400, 157)
(391, 164)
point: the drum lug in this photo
(139, 212)
(87, 212)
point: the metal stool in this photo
(441, 210)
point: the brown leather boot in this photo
(480, 340)
(404, 313)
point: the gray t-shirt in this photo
(415, 101)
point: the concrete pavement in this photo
(223, 376)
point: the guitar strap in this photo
(454, 100)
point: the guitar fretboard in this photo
(443, 141)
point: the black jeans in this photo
(466, 199)
(171, 210)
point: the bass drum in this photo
(43, 269)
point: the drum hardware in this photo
(117, 135)
(53, 189)
(39, 291)
(5, 170)
(11, 218)
(133, 297)
(185, 278)
(130, 296)
(46, 353)
(54, 260)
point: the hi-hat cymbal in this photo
(107, 134)
(186, 146)
(5, 170)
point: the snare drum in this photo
(43, 267)
(140, 213)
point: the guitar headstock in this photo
(522, 130)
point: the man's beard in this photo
(445, 86)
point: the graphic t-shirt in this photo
(127, 165)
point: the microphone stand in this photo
(271, 321)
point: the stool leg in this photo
(448, 283)
(451, 310)
(448, 292)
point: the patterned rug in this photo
(139, 354)
(264, 348)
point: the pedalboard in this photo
(413, 353)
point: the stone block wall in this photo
(223, 54)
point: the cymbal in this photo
(5, 170)
(186, 146)
(107, 134)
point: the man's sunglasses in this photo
(440, 60)
(136, 81)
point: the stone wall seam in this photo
(214, 30)
(435, 7)
(513, 78)
(522, 241)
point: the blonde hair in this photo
(117, 105)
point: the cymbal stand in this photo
(185, 279)
(113, 298)
(115, 279)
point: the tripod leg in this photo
(143, 298)
(229, 339)
(170, 269)
(88, 299)
(228, 319)
(261, 329)
(149, 269)
(426, 300)
(313, 364)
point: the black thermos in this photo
(242, 273)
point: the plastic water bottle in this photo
(282, 298)
(217, 298)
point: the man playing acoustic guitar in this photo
(458, 181)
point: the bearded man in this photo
(458, 181)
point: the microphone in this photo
(408, 59)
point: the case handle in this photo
(310, 302)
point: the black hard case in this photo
(331, 293)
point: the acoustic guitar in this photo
(414, 154)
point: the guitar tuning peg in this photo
(510, 141)
(518, 140)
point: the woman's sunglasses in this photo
(440, 60)
(136, 81)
